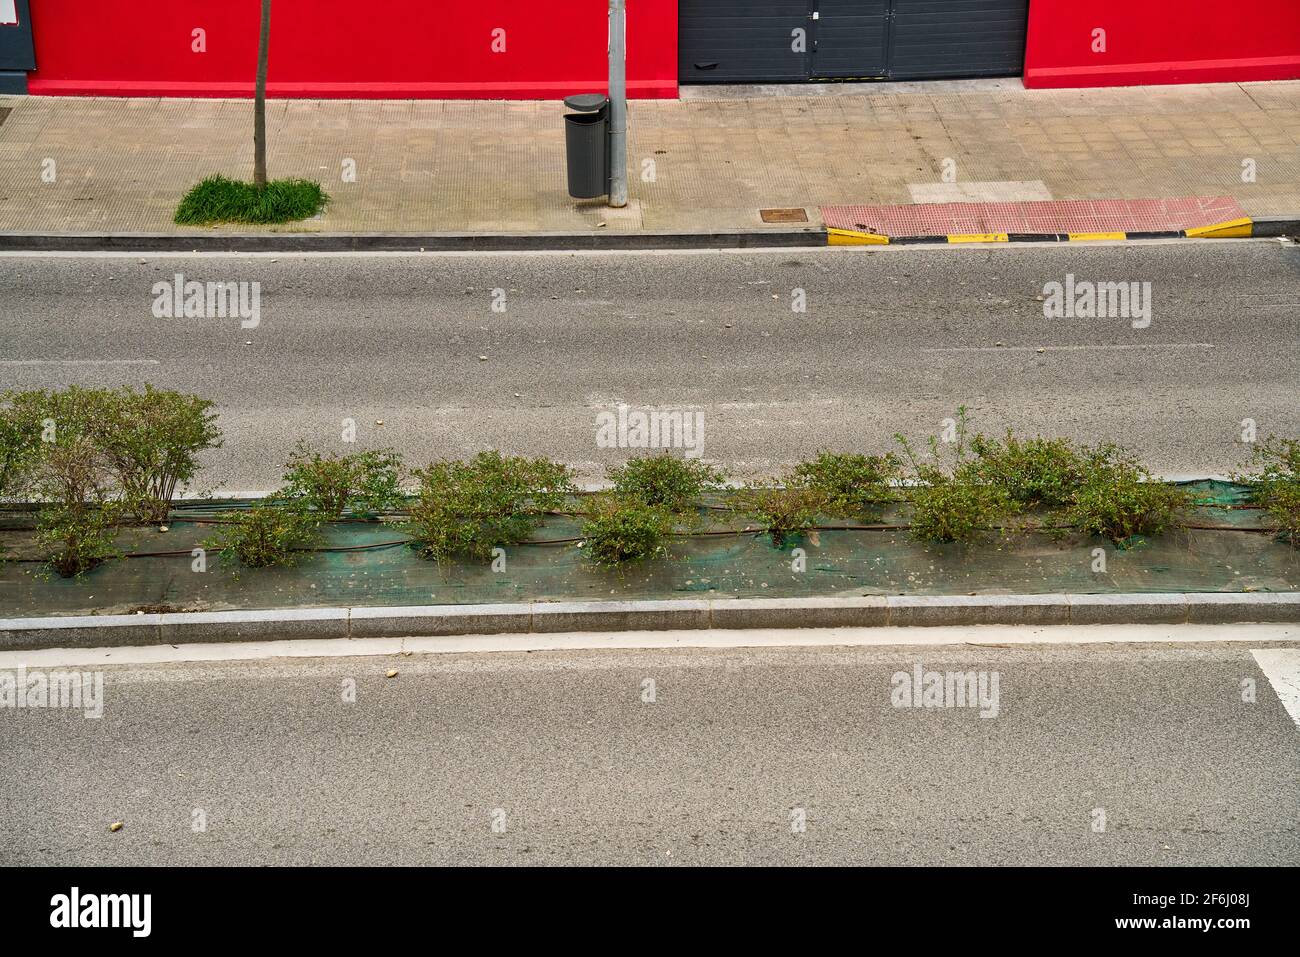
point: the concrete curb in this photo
(210, 242)
(97, 631)
(1272, 227)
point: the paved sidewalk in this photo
(718, 155)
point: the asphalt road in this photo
(891, 341)
(561, 752)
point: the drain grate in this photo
(795, 215)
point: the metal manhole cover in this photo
(796, 215)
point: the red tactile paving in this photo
(1053, 216)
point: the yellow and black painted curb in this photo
(1232, 229)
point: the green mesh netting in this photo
(1225, 550)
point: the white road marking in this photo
(79, 362)
(1110, 348)
(1282, 668)
(971, 635)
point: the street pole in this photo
(259, 99)
(617, 103)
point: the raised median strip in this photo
(102, 631)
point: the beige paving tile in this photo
(461, 165)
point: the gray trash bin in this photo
(586, 143)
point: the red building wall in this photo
(443, 49)
(1161, 41)
(347, 48)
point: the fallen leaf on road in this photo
(115, 826)
(392, 673)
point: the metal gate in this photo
(930, 39)
(849, 38)
(791, 41)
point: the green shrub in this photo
(87, 445)
(265, 534)
(1282, 504)
(620, 530)
(781, 511)
(850, 485)
(221, 200)
(152, 440)
(1119, 499)
(80, 537)
(18, 454)
(1276, 485)
(936, 470)
(1031, 472)
(360, 483)
(61, 433)
(492, 500)
(56, 447)
(955, 509)
(665, 482)
(950, 502)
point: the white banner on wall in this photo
(8, 12)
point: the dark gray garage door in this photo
(937, 38)
(742, 41)
(16, 38)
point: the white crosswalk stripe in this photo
(1282, 667)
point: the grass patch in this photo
(221, 200)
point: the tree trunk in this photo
(259, 101)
